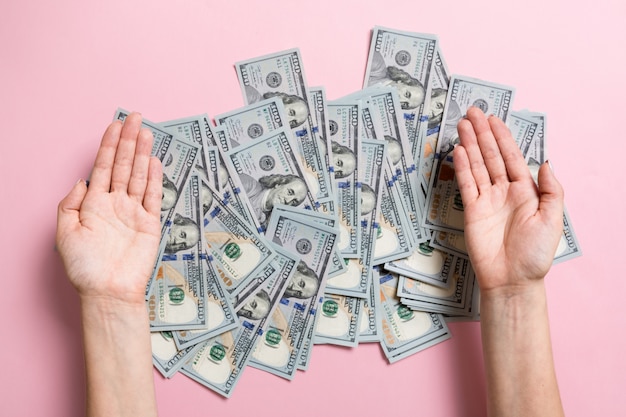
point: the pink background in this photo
(65, 66)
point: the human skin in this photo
(512, 229)
(108, 236)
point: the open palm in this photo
(512, 227)
(108, 233)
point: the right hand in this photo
(512, 227)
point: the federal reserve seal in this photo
(403, 58)
(481, 104)
(273, 79)
(267, 163)
(303, 246)
(333, 127)
(255, 130)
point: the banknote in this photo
(339, 321)
(355, 281)
(439, 81)
(405, 331)
(242, 125)
(451, 242)
(444, 207)
(344, 128)
(166, 356)
(219, 311)
(192, 130)
(336, 265)
(368, 327)
(524, 129)
(177, 298)
(214, 175)
(455, 300)
(178, 157)
(270, 173)
(282, 75)
(426, 264)
(219, 362)
(313, 243)
(232, 244)
(403, 60)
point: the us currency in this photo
(368, 328)
(313, 243)
(344, 128)
(456, 300)
(228, 183)
(339, 321)
(270, 173)
(177, 298)
(385, 105)
(355, 281)
(538, 149)
(219, 362)
(444, 207)
(403, 60)
(282, 75)
(405, 331)
(219, 311)
(248, 123)
(337, 265)
(166, 356)
(439, 90)
(426, 264)
(233, 245)
(524, 129)
(178, 158)
(450, 242)
(192, 130)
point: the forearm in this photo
(118, 359)
(518, 353)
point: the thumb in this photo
(550, 195)
(69, 208)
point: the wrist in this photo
(104, 308)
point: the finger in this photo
(474, 156)
(125, 155)
(100, 179)
(139, 174)
(488, 145)
(516, 166)
(464, 176)
(154, 188)
(68, 213)
(550, 197)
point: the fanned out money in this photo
(295, 221)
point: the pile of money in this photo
(296, 220)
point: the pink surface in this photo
(65, 66)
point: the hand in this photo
(512, 227)
(108, 233)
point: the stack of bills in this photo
(297, 220)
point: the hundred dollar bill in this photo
(368, 327)
(237, 251)
(456, 300)
(426, 264)
(219, 311)
(178, 157)
(319, 115)
(444, 207)
(403, 60)
(355, 281)
(166, 356)
(248, 123)
(177, 298)
(282, 75)
(344, 128)
(438, 91)
(314, 244)
(337, 265)
(339, 321)
(270, 173)
(219, 362)
(524, 129)
(450, 242)
(404, 331)
(192, 130)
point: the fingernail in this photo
(550, 165)
(87, 183)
